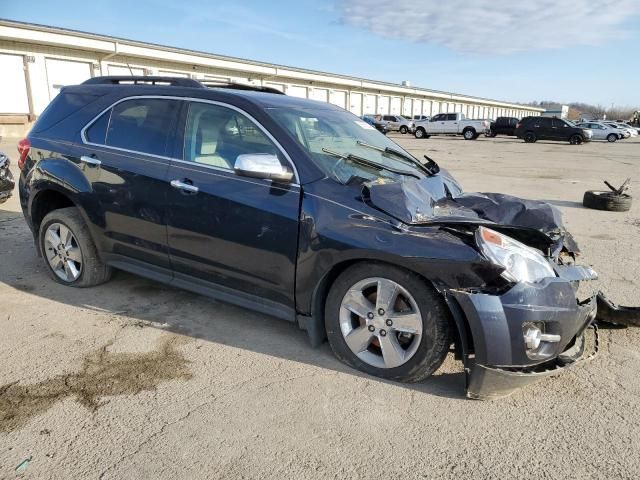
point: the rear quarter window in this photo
(63, 105)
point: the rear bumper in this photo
(498, 361)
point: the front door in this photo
(235, 232)
(124, 157)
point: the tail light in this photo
(24, 146)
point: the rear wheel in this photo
(387, 322)
(576, 139)
(469, 134)
(69, 252)
(403, 129)
(530, 137)
(612, 137)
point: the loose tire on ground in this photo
(93, 270)
(434, 340)
(609, 201)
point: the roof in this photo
(48, 35)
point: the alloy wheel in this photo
(381, 322)
(63, 252)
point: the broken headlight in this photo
(520, 262)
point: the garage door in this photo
(356, 103)
(124, 70)
(407, 107)
(296, 91)
(369, 104)
(13, 94)
(320, 94)
(338, 98)
(396, 103)
(383, 105)
(65, 72)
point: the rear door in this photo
(451, 124)
(227, 231)
(125, 160)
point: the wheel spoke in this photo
(392, 352)
(74, 254)
(55, 262)
(359, 339)
(356, 302)
(386, 295)
(52, 238)
(71, 270)
(406, 322)
(65, 236)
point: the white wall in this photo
(13, 94)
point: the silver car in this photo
(626, 132)
(398, 123)
(602, 131)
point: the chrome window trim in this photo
(172, 159)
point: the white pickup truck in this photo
(451, 124)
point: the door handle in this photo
(185, 187)
(94, 162)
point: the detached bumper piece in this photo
(611, 313)
(489, 383)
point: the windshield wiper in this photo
(369, 163)
(412, 161)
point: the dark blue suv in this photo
(301, 210)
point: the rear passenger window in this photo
(141, 125)
(216, 135)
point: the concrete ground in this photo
(133, 379)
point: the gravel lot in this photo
(137, 380)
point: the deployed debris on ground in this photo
(615, 200)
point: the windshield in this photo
(323, 133)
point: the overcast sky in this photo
(578, 50)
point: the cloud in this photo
(493, 26)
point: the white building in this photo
(36, 61)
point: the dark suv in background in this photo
(503, 126)
(532, 129)
(301, 210)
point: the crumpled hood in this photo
(439, 199)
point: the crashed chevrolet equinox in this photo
(300, 210)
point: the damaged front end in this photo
(530, 326)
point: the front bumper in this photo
(498, 362)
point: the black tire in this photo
(490, 134)
(403, 129)
(530, 137)
(576, 139)
(436, 335)
(469, 134)
(94, 271)
(609, 201)
(420, 133)
(612, 137)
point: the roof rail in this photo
(239, 86)
(142, 80)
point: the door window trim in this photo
(173, 159)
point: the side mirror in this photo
(262, 165)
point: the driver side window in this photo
(216, 135)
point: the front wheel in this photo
(576, 139)
(69, 252)
(469, 134)
(387, 322)
(420, 133)
(612, 137)
(403, 129)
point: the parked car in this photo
(6, 179)
(602, 131)
(532, 129)
(398, 123)
(626, 132)
(420, 117)
(300, 211)
(502, 126)
(379, 125)
(451, 124)
(634, 130)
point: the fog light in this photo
(532, 338)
